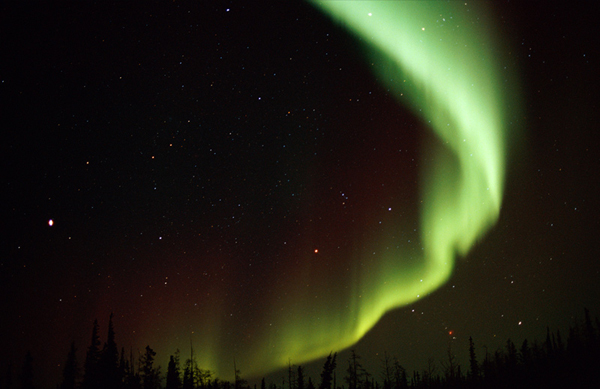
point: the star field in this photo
(203, 170)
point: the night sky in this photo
(237, 174)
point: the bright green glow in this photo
(445, 57)
(437, 58)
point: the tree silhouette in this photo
(173, 373)
(238, 382)
(560, 347)
(450, 366)
(291, 378)
(123, 368)
(400, 381)
(300, 378)
(91, 371)
(327, 373)
(355, 372)
(588, 328)
(150, 375)
(474, 372)
(194, 376)
(511, 357)
(387, 371)
(131, 378)
(108, 364)
(71, 370)
(525, 354)
(550, 364)
(188, 375)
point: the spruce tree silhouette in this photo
(91, 372)
(387, 371)
(108, 368)
(71, 370)
(150, 374)
(327, 373)
(355, 373)
(173, 373)
(400, 380)
(473, 365)
(300, 378)
(549, 364)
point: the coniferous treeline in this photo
(553, 363)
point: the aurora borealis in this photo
(453, 85)
(272, 182)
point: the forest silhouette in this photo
(573, 362)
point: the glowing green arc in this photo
(453, 84)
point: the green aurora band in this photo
(453, 83)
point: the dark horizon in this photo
(557, 361)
